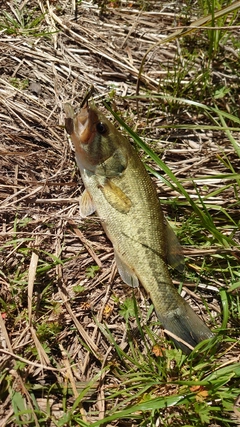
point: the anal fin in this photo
(126, 273)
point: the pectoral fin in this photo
(174, 251)
(86, 205)
(126, 273)
(116, 197)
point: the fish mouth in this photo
(84, 124)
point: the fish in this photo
(120, 190)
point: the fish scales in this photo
(125, 199)
(141, 246)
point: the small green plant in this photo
(21, 85)
(48, 331)
(79, 289)
(22, 22)
(127, 309)
(219, 35)
(17, 24)
(92, 271)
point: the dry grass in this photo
(53, 298)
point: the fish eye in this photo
(101, 128)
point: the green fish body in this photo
(120, 190)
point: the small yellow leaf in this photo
(201, 395)
(201, 392)
(195, 388)
(157, 350)
(107, 311)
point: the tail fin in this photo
(185, 327)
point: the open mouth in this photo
(83, 128)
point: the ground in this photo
(77, 346)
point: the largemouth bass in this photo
(119, 189)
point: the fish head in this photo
(93, 137)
